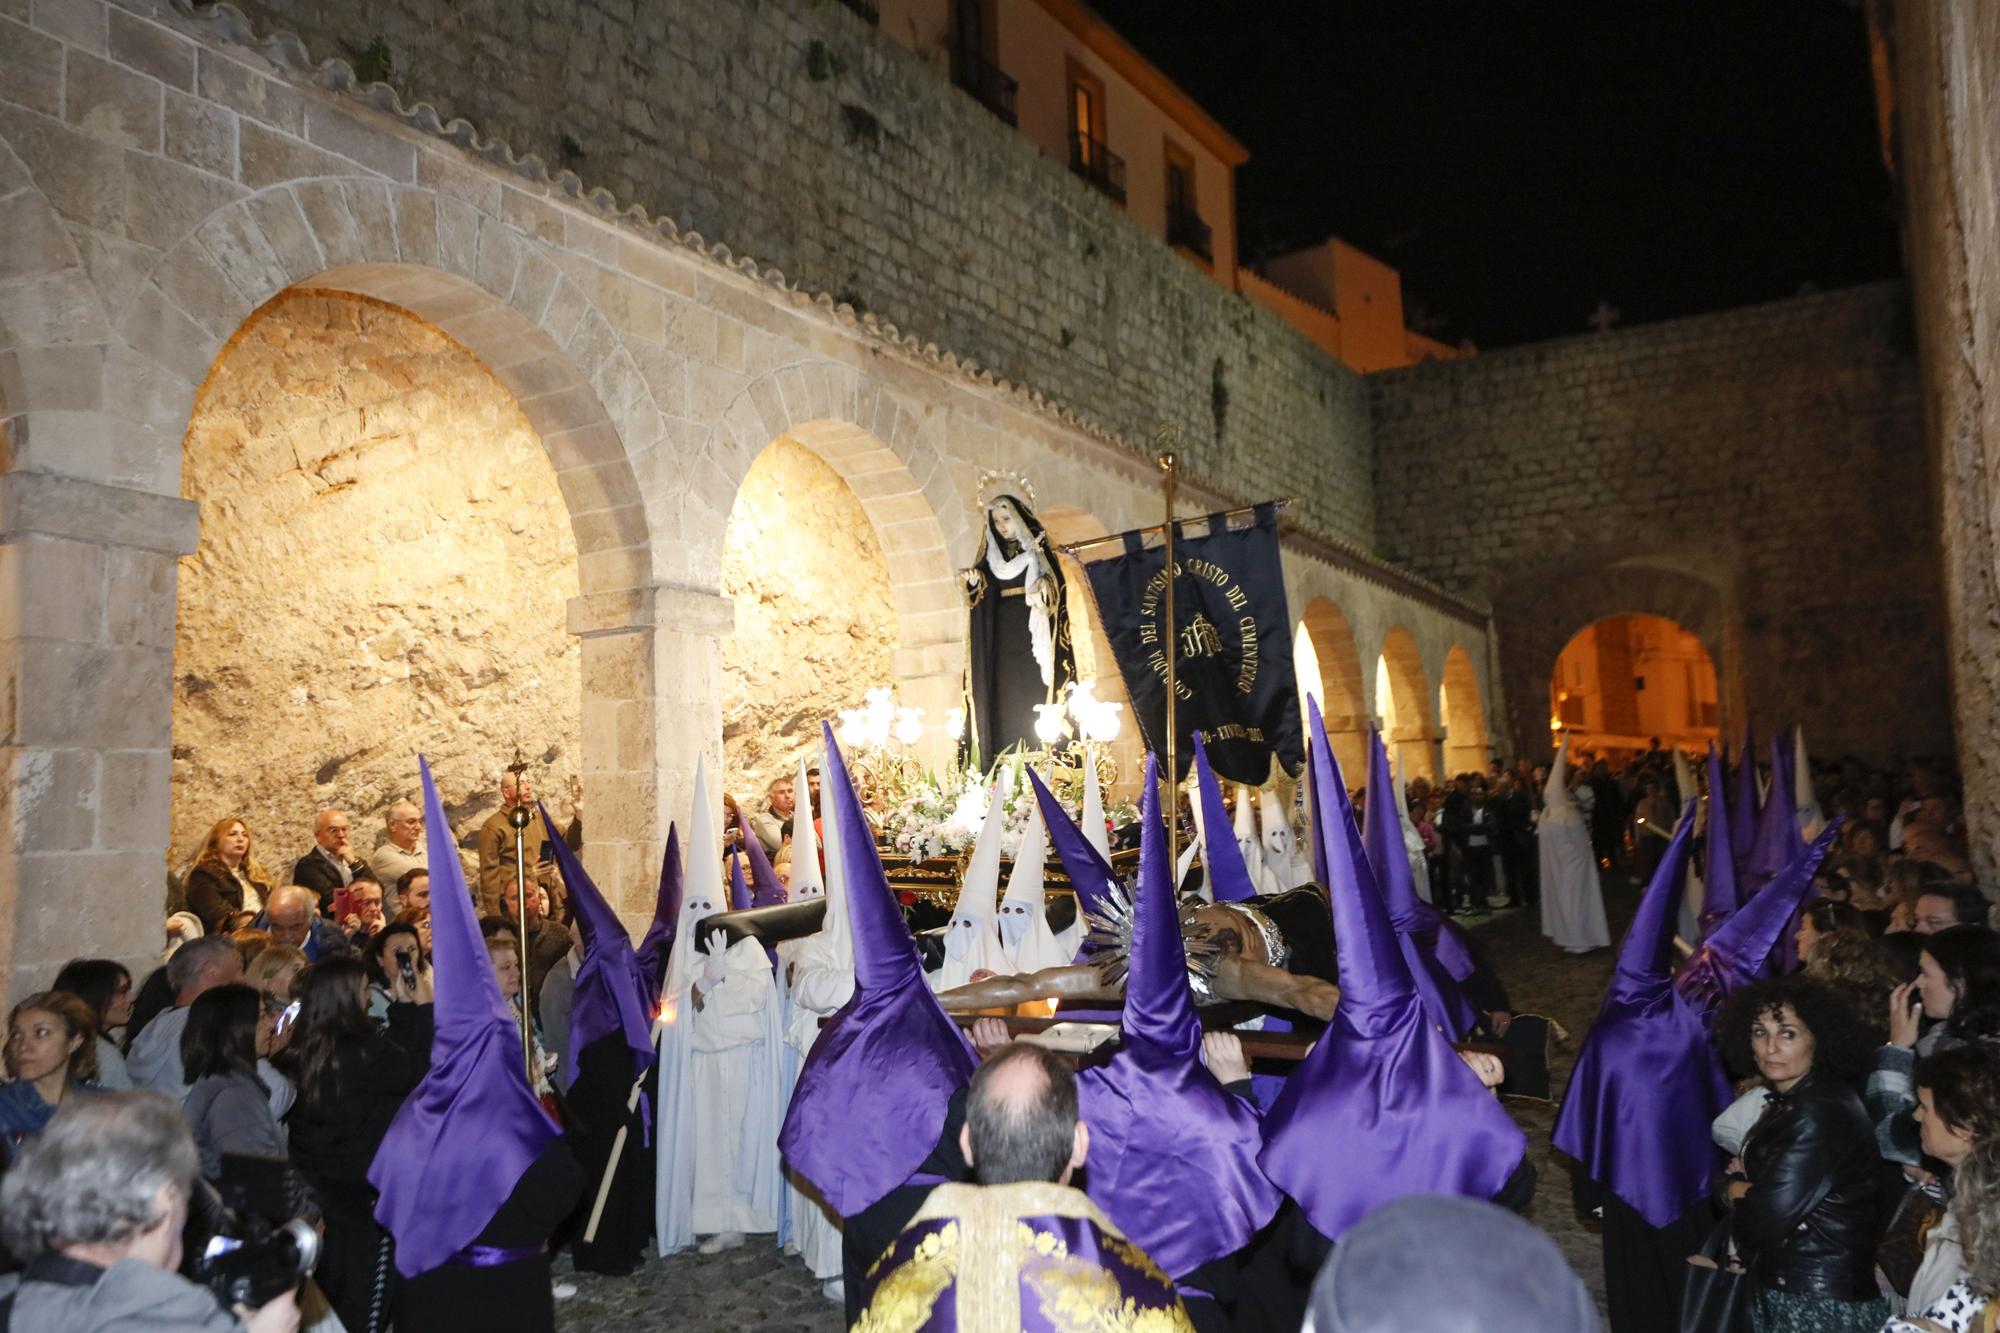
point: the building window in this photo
(1185, 228)
(973, 39)
(1088, 155)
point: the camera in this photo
(265, 1242)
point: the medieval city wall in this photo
(802, 137)
(164, 177)
(1758, 475)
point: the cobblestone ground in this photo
(756, 1288)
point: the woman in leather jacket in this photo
(1805, 1194)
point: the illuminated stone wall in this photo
(383, 569)
(815, 626)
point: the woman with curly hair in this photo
(1803, 1193)
(51, 1053)
(1958, 1110)
(1957, 991)
(225, 877)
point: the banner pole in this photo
(1169, 478)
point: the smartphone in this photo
(343, 904)
(548, 852)
(286, 1017)
(408, 969)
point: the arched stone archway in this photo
(1329, 667)
(892, 464)
(1624, 681)
(1534, 617)
(1066, 524)
(1402, 697)
(95, 520)
(1465, 743)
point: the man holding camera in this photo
(94, 1206)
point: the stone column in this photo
(652, 702)
(87, 575)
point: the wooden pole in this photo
(1168, 480)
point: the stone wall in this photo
(888, 187)
(815, 624)
(1758, 475)
(383, 564)
(1947, 101)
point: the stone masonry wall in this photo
(1947, 81)
(1758, 475)
(887, 186)
(815, 624)
(384, 558)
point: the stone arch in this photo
(889, 457)
(527, 318)
(1330, 669)
(1465, 743)
(490, 288)
(1403, 703)
(1074, 523)
(1536, 614)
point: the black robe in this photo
(595, 1105)
(515, 1295)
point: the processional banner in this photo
(1231, 635)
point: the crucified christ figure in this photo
(1275, 950)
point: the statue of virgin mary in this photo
(1019, 614)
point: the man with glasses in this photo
(400, 851)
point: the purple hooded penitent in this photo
(1383, 1106)
(1743, 815)
(871, 1099)
(1426, 945)
(1777, 843)
(658, 943)
(1090, 875)
(472, 1128)
(1719, 896)
(1647, 1082)
(1155, 1112)
(611, 994)
(766, 890)
(1737, 952)
(1221, 858)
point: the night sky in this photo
(1521, 162)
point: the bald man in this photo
(1024, 1141)
(331, 865)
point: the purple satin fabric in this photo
(1089, 874)
(493, 1256)
(1738, 951)
(658, 943)
(1719, 896)
(872, 1096)
(1173, 1157)
(463, 1139)
(1418, 924)
(611, 994)
(765, 888)
(1743, 815)
(1221, 858)
(1383, 1106)
(1777, 842)
(1647, 1083)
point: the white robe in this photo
(718, 1082)
(1572, 899)
(731, 1068)
(1024, 922)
